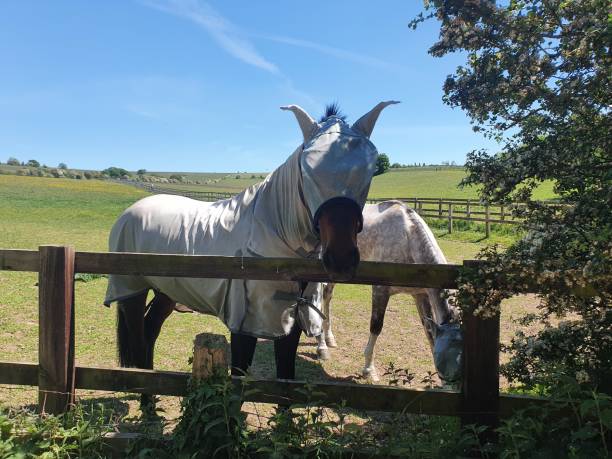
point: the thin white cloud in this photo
(222, 31)
(330, 51)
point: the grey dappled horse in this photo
(394, 233)
(309, 206)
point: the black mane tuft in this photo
(332, 109)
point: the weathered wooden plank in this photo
(273, 391)
(19, 373)
(56, 329)
(480, 388)
(293, 269)
(134, 380)
(19, 260)
(357, 396)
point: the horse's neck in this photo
(422, 243)
(284, 209)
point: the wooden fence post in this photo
(210, 351)
(501, 212)
(480, 388)
(56, 329)
(450, 218)
(488, 220)
(469, 209)
(440, 207)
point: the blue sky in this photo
(185, 85)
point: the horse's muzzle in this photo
(341, 266)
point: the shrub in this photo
(382, 164)
(115, 172)
(13, 162)
(536, 78)
(33, 163)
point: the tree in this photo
(115, 172)
(62, 166)
(382, 164)
(141, 172)
(537, 79)
(33, 163)
(13, 162)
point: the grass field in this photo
(425, 182)
(36, 211)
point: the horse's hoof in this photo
(323, 354)
(370, 373)
(331, 341)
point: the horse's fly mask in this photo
(275, 218)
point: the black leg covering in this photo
(285, 350)
(243, 349)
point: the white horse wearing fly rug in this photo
(394, 233)
(310, 205)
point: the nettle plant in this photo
(537, 79)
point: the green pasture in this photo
(36, 211)
(422, 182)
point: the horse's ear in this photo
(366, 123)
(307, 124)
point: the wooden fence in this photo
(57, 375)
(450, 210)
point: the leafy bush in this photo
(382, 164)
(78, 433)
(115, 172)
(536, 78)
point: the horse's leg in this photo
(131, 338)
(243, 349)
(425, 314)
(380, 300)
(131, 341)
(322, 349)
(327, 331)
(285, 350)
(326, 338)
(157, 311)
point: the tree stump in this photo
(210, 352)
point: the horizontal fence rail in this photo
(282, 269)
(358, 396)
(288, 269)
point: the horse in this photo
(393, 232)
(310, 206)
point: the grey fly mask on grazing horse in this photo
(274, 218)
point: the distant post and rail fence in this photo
(57, 375)
(448, 209)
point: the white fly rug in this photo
(271, 219)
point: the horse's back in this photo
(148, 224)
